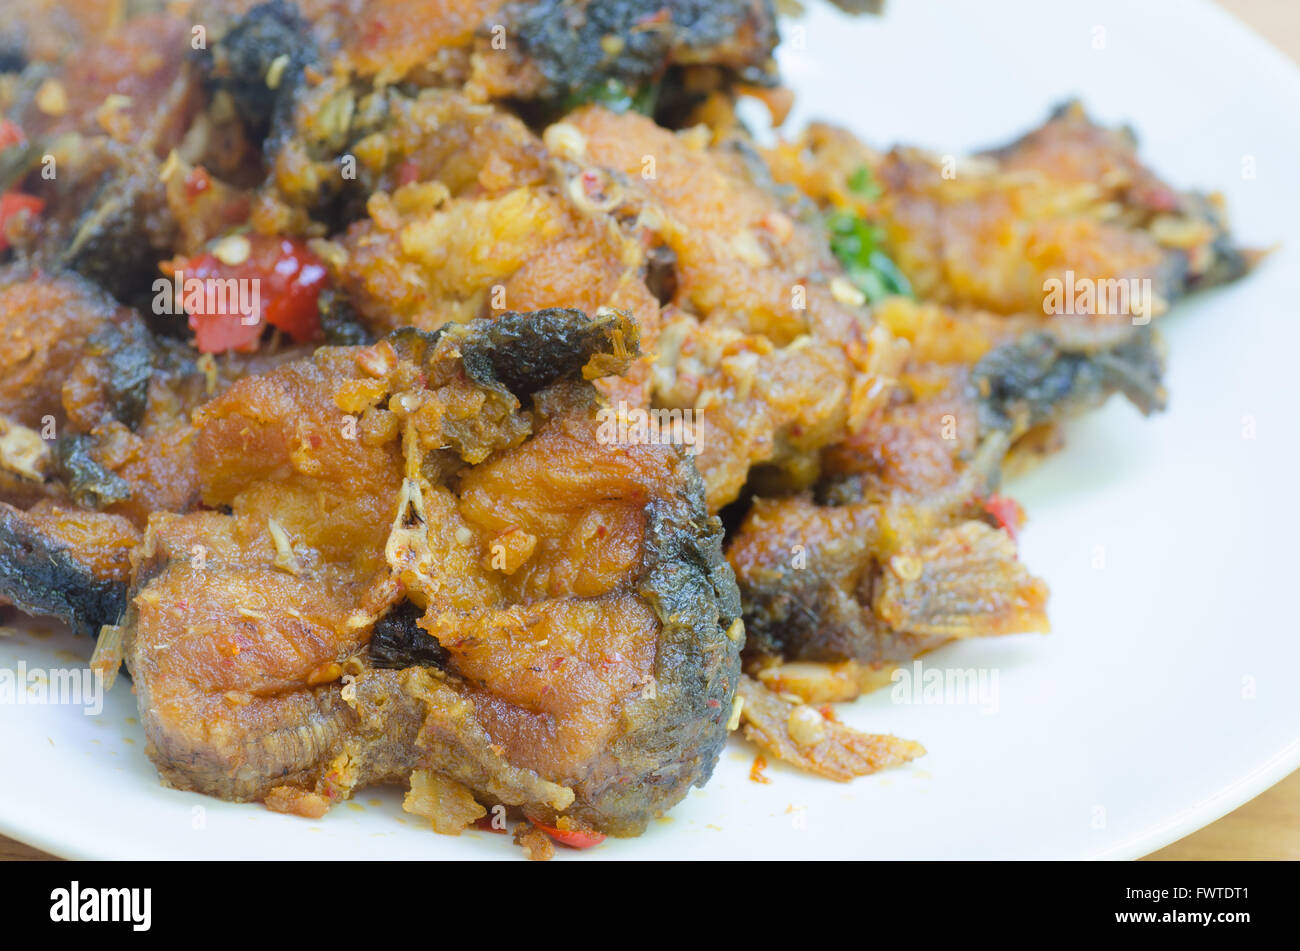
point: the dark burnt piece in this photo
(339, 322)
(398, 641)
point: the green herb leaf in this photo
(614, 95)
(862, 184)
(856, 243)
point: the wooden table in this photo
(1267, 827)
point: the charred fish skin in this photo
(525, 352)
(260, 63)
(570, 40)
(127, 354)
(126, 228)
(678, 729)
(816, 607)
(41, 577)
(88, 482)
(1037, 379)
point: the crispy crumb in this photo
(297, 802)
(536, 843)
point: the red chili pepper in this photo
(1157, 197)
(10, 134)
(485, 823)
(408, 172)
(573, 838)
(11, 202)
(1006, 512)
(15, 203)
(197, 182)
(289, 281)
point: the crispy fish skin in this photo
(804, 737)
(583, 616)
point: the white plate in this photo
(1165, 696)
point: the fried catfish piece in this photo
(110, 404)
(95, 435)
(75, 363)
(105, 119)
(552, 49)
(488, 220)
(1063, 234)
(899, 549)
(52, 325)
(764, 343)
(66, 564)
(135, 467)
(426, 573)
(47, 322)
(1071, 198)
(837, 583)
